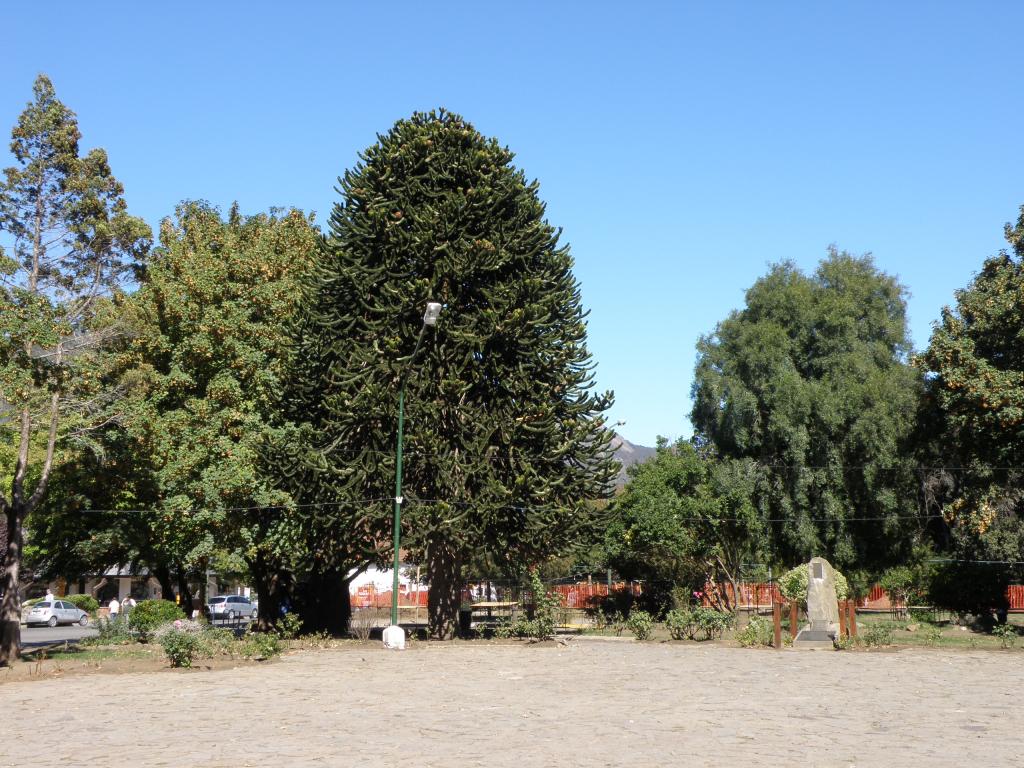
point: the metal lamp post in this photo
(394, 635)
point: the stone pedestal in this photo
(822, 608)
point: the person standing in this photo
(127, 605)
(115, 608)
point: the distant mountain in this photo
(629, 454)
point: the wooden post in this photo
(794, 614)
(843, 607)
(852, 604)
(777, 620)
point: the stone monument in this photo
(822, 607)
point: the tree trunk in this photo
(444, 572)
(271, 584)
(324, 603)
(185, 592)
(10, 607)
(163, 576)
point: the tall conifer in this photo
(505, 438)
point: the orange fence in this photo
(762, 595)
(578, 595)
(369, 596)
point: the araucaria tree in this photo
(71, 242)
(505, 440)
(812, 381)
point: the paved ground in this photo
(589, 704)
(34, 636)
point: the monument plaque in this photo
(822, 607)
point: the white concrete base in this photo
(394, 638)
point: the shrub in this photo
(217, 640)
(150, 614)
(640, 624)
(932, 636)
(288, 626)
(545, 604)
(678, 623)
(759, 631)
(87, 603)
(877, 635)
(966, 588)
(112, 632)
(901, 584)
(260, 645)
(1007, 635)
(181, 640)
(698, 623)
(793, 584)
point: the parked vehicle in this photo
(54, 612)
(231, 607)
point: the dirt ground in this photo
(590, 703)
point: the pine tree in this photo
(72, 241)
(505, 439)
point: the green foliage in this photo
(967, 588)
(810, 381)
(876, 635)
(971, 420)
(87, 603)
(545, 607)
(66, 244)
(900, 582)
(685, 518)
(150, 614)
(793, 584)
(181, 645)
(503, 427)
(932, 636)
(698, 623)
(260, 645)
(289, 626)
(759, 631)
(845, 643)
(113, 632)
(1007, 635)
(640, 623)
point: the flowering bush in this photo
(148, 615)
(697, 623)
(181, 640)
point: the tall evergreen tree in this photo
(811, 379)
(505, 439)
(72, 241)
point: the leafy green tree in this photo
(811, 380)
(687, 519)
(973, 435)
(71, 243)
(505, 439)
(204, 367)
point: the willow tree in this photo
(505, 438)
(812, 380)
(71, 242)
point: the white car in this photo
(231, 607)
(54, 612)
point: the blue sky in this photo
(681, 147)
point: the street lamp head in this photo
(433, 310)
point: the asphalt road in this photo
(32, 637)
